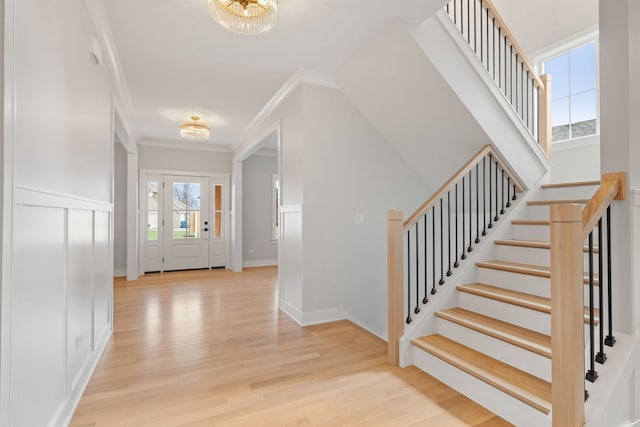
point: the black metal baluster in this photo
(449, 272)
(499, 57)
(508, 191)
(481, 34)
(447, 8)
(592, 375)
(475, 28)
(610, 340)
(468, 22)
(484, 196)
(433, 247)
(493, 48)
(470, 217)
(426, 245)
(456, 264)
(417, 309)
(521, 84)
(408, 276)
(515, 196)
(487, 28)
(490, 192)
(464, 230)
(511, 73)
(477, 203)
(601, 357)
(502, 192)
(441, 246)
(455, 14)
(496, 218)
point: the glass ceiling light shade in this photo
(247, 17)
(194, 130)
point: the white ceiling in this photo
(177, 62)
(562, 19)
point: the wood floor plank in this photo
(210, 348)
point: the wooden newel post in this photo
(395, 253)
(567, 316)
(544, 115)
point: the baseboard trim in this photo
(353, 319)
(321, 316)
(120, 273)
(259, 263)
(291, 311)
(68, 408)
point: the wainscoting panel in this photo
(61, 306)
(290, 268)
(38, 313)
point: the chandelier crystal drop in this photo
(247, 17)
(194, 131)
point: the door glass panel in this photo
(217, 212)
(186, 210)
(152, 210)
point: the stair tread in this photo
(516, 335)
(521, 299)
(529, 269)
(537, 244)
(525, 387)
(531, 222)
(571, 184)
(557, 202)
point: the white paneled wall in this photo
(61, 304)
(38, 324)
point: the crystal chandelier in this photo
(246, 17)
(194, 130)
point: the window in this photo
(152, 210)
(574, 96)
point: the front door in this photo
(186, 222)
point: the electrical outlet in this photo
(358, 219)
(78, 340)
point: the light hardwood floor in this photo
(207, 348)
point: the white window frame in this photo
(563, 47)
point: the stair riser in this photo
(527, 255)
(531, 232)
(520, 316)
(541, 233)
(584, 192)
(516, 315)
(501, 404)
(510, 354)
(516, 282)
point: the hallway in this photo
(210, 348)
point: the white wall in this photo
(401, 93)
(258, 247)
(349, 170)
(62, 140)
(120, 211)
(289, 115)
(576, 160)
(183, 159)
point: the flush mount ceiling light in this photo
(194, 130)
(246, 17)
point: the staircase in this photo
(495, 346)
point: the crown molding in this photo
(121, 95)
(299, 77)
(184, 145)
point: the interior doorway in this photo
(183, 221)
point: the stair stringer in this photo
(447, 296)
(466, 76)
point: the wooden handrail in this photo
(612, 187)
(442, 191)
(512, 40)
(570, 225)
